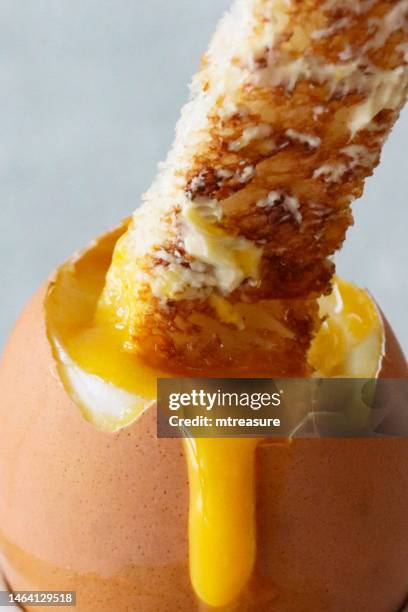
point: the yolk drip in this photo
(222, 516)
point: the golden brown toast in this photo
(222, 266)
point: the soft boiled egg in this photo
(92, 501)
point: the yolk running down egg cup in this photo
(225, 271)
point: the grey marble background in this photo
(90, 91)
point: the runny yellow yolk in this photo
(222, 530)
(222, 525)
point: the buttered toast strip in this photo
(222, 265)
